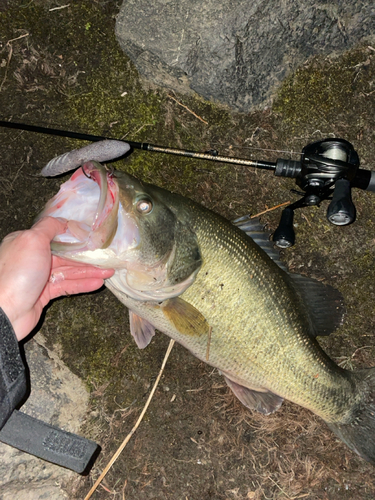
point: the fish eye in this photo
(144, 206)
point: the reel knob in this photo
(284, 236)
(341, 210)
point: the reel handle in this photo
(284, 236)
(341, 210)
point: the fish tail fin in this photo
(359, 432)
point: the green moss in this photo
(323, 89)
(91, 345)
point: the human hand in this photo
(30, 276)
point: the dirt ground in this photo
(60, 66)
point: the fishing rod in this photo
(213, 156)
(328, 170)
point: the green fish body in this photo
(201, 280)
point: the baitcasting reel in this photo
(328, 169)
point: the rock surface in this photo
(57, 397)
(235, 52)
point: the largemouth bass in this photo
(200, 279)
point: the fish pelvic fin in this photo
(264, 402)
(141, 330)
(359, 432)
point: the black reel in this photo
(327, 169)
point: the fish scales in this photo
(250, 307)
(188, 272)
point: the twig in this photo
(123, 489)
(189, 110)
(7, 66)
(9, 44)
(59, 8)
(127, 439)
(136, 132)
(18, 38)
(270, 209)
(282, 491)
(306, 219)
(106, 489)
(208, 343)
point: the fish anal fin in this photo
(264, 402)
(141, 329)
(185, 317)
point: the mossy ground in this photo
(63, 68)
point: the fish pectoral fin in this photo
(185, 317)
(264, 402)
(141, 329)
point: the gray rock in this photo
(57, 397)
(235, 52)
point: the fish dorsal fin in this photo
(324, 304)
(256, 231)
(264, 402)
(185, 317)
(141, 329)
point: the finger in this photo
(50, 226)
(82, 272)
(62, 261)
(73, 287)
(58, 261)
(11, 236)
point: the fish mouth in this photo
(89, 201)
